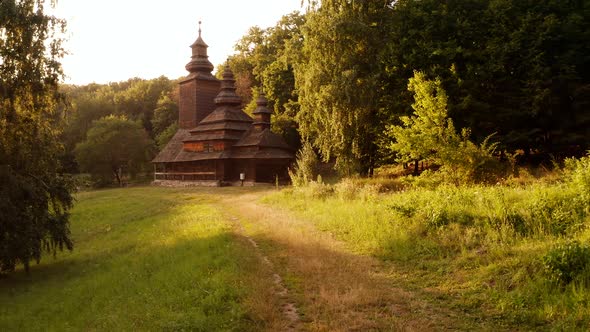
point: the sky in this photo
(114, 40)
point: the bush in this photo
(305, 166)
(555, 212)
(567, 262)
(318, 190)
(578, 175)
(346, 189)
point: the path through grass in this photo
(178, 259)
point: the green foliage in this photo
(138, 100)
(429, 134)
(349, 189)
(153, 103)
(510, 67)
(488, 248)
(429, 130)
(165, 115)
(114, 145)
(305, 169)
(338, 82)
(34, 196)
(166, 135)
(567, 262)
(265, 59)
(578, 175)
(513, 67)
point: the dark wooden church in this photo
(217, 143)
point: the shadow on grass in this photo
(189, 285)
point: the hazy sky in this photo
(113, 40)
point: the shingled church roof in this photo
(227, 123)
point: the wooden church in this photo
(217, 143)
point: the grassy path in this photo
(335, 289)
(202, 259)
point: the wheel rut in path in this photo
(288, 308)
(334, 288)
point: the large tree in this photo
(265, 59)
(34, 196)
(114, 146)
(338, 81)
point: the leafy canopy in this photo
(430, 134)
(34, 196)
(114, 145)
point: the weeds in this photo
(498, 241)
(567, 262)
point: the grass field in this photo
(517, 256)
(350, 257)
(144, 259)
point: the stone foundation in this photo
(183, 184)
(208, 183)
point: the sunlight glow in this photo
(113, 40)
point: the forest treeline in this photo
(337, 78)
(152, 105)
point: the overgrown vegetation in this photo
(430, 135)
(305, 168)
(514, 251)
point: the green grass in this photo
(144, 259)
(479, 249)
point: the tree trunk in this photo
(117, 175)
(416, 170)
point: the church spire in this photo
(227, 95)
(199, 60)
(261, 114)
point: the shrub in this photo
(555, 212)
(346, 189)
(578, 175)
(369, 192)
(316, 190)
(305, 166)
(567, 262)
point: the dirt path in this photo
(324, 286)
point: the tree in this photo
(114, 145)
(265, 59)
(34, 196)
(338, 81)
(428, 129)
(430, 134)
(165, 114)
(165, 120)
(139, 99)
(152, 102)
(518, 68)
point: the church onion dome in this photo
(199, 60)
(261, 103)
(262, 114)
(227, 96)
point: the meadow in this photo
(144, 259)
(516, 253)
(354, 255)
